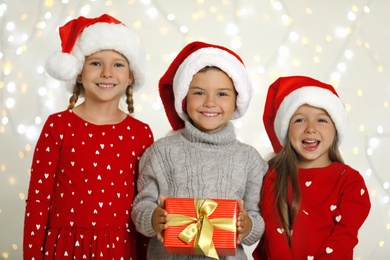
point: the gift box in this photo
(201, 227)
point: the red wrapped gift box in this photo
(225, 241)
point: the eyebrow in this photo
(317, 114)
(200, 88)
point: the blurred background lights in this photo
(4, 120)
(3, 8)
(42, 91)
(152, 12)
(293, 36)
(351, 16)
(32, 132)
(38, 120)
(7, 69)
(11, 87)
(171, 17)
(21, 129)
(348, 54)
(374, 142)
(232, 29)
(85, 10)
(379, 129)
(341, 67)
(10, 26)
(10, 102)
(184, 29)
(276, 5)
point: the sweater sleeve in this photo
(274, 243)
(354, 208)
(149, 187)
(43, 172)
(256, 171)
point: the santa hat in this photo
(84, 36)
(287, 94)
(174, 84)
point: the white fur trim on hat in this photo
(94, 38)
(316, 97)
(222, 59)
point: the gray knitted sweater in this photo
(194, 164)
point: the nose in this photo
(209, 101)
(106, 72)
(310, 128)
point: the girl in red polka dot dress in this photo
(85, 162)
(312, 203)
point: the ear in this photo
(79, 79)
(131, 78)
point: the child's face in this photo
(211, 100)
(311, 134)
(105, 76)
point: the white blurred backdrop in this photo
(345, 43)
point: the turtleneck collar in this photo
(225, 136)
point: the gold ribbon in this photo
(202, 227)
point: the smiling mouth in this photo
(210, 114)
(106, 85)
(310, 143)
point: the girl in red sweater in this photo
(312, 203)
(85, 162)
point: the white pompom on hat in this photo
(84, 36)
(174, 84)
(287, 94)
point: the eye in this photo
(119, 65)
(95, 63)
(298, 120)
(323, 120)
(198, 93)
(223, 94)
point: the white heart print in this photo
(329, 250)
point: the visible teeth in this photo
(310, 141)
(105, 85)
(210, 114)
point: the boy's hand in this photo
(160, 218)
(244, 223)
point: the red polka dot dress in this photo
(334, 205)
(81, 189)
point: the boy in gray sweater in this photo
(204, 88)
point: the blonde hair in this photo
(285, 163)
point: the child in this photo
(312, 203)
(86, 159)
(203, 89)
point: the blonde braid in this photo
(129, 99)
(77, 89)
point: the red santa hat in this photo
(287, 94)
(84, 36)
(174, 84)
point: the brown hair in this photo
(285, 163)
(78, 90)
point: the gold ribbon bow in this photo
(202, 227)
